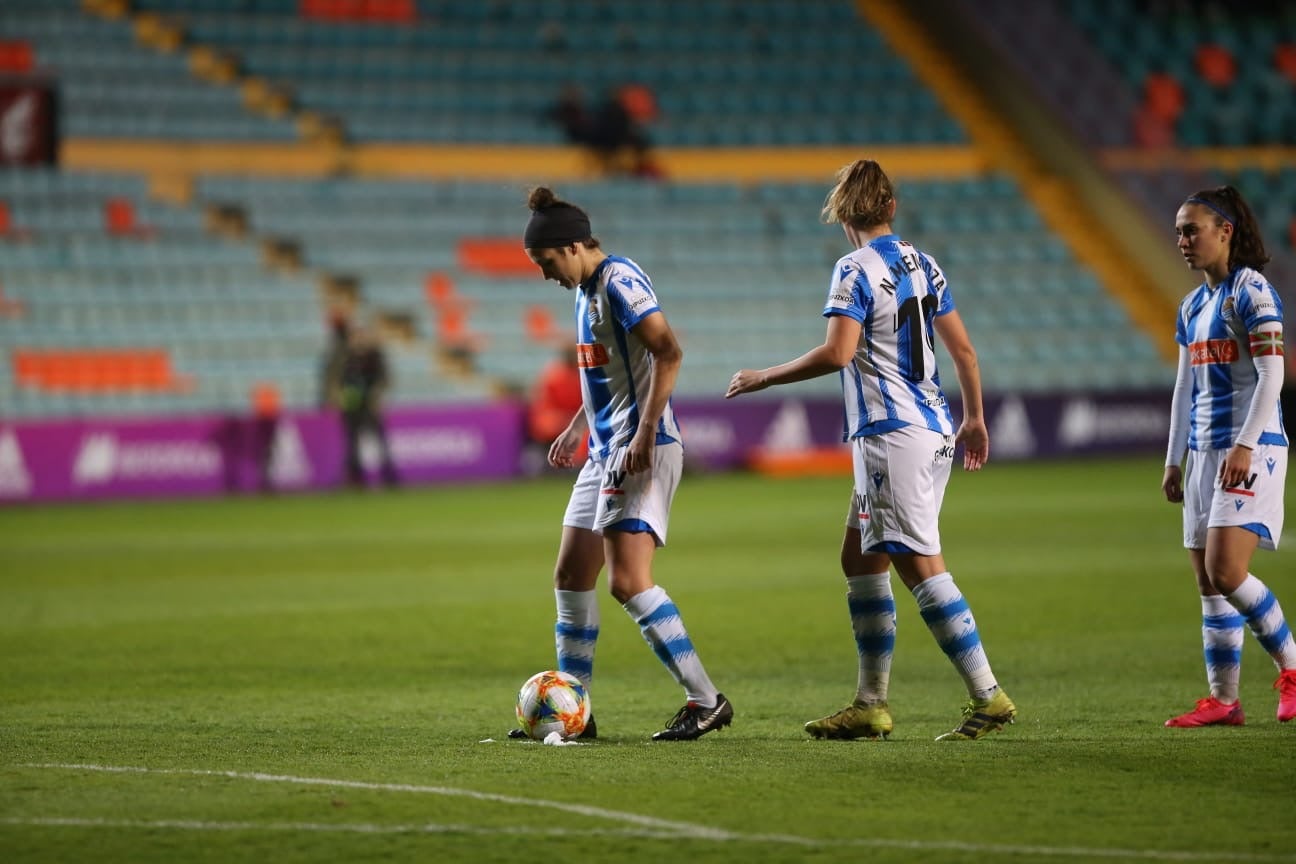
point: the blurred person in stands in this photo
(555, 398)
(619, 507)
(884, 300)
(363, 380)
(615, 131)
(1227, 456)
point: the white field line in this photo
(648, 826)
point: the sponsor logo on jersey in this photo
(591, 355)
(1212, 351)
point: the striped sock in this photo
(950, 620)
(1264, 616)
(873, 620)
(576, 633)
(663, 629)
(1222, 637)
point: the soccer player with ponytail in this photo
(1227, 456)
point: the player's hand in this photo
(745, 381)
(639, 452)
(975, 439)
(1236, 466)
(1172, 484)
(562, 452)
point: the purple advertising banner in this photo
(721, 434)
(87, 459)
(212, 455)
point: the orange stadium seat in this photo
(360, 10)
(494, 256)
(16, 56)
(98, 370)
(1285, 60)
(1215, 64)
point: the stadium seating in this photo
(1231, 67)
(724, 73)
(98, 273)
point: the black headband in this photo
(558, 224)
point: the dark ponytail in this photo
(1246, 248)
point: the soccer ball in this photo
(553, 702)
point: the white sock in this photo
(663, 629)
(576, 633)
(1264, 616)
(1222, 637)
(950, 620)
(873, 621)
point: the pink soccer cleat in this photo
(1286, 687)
(1212, 712)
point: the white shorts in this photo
(1256, 504)
(900, 480)
(606, 497)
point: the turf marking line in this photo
(649, 827)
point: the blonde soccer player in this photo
(885, 298)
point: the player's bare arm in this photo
(657, 337)
(972, 432)
(837, 350)
(562, 452)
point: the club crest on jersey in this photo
(1226, 309)
(594, 311)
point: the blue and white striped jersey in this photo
(615, 366)
(895, 292)
(1214, 325)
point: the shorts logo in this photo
(1271, 463)
(946, 452)
(613, 479)
(878, 479)
(1213, 351)
(1244, 489)
(591, 355)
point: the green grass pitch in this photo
(331, 679)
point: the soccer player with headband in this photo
(629, 360)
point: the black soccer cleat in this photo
(590, 731)
(693, 721)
